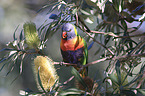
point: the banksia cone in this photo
(91, 86)
(88, 81)
(47, 71)
(31, 35)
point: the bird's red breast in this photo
(72, 45)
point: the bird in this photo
(74, 48)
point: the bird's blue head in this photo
(68, 31)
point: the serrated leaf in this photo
(6, 60)
(113, 78)
(21, 64)
(123, 23)
(39, 81)
(14, 35)
(7, 49)
(54, 86)
(71, 91)
(142, 17)
(91, 2)
(107, 38)
(52, 29)
(128, 93)
(21, 35)
(48, 5)
(134, 80)
(85, 12)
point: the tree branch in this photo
(137, 35)
(128, 56)
(88, 64)
(108, 33)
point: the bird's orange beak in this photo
(64, 34)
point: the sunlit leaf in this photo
(142, 17)
(129, 1)
(89, 20)
(101, 5)
(85, 12)
(71, 91)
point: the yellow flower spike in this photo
(47, 71)
(31, 35)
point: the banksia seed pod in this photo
(31, 35)
(47, 71)
(88, 81)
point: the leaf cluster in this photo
(109, 19)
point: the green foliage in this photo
(109, 19)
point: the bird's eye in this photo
(69, 30)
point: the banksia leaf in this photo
(47, 72)
(31, 35)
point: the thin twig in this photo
(108, 33)
(68, 80)
(88, 31)
(87, 28)
(116, 36)
(137, 35)
(103, 59)
(97, 61)
(63, 63)
(77, 23)
(100, 43)
(128, 56)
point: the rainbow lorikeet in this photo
(73, 47)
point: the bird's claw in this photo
(60, 63)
